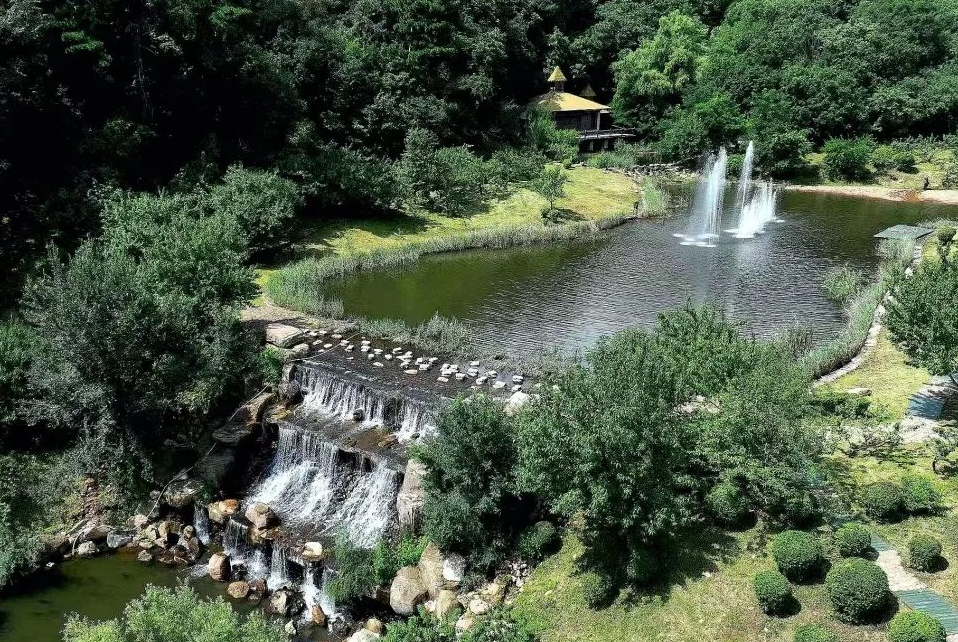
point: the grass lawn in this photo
(891, 379)
(895, 179)
(591, 194)
(710, 600)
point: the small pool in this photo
(570, 294)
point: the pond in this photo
(569, 295)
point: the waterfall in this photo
(315, 593)
(330, 394)
(201, 522)
(707, 206)
(369, 508)
(236, 540)
(278, 568)
(301, 481)
(759, 212)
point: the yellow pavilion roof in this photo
(564, 101)
(557, 75)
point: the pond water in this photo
(36, 609)
(569, 295)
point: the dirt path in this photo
(944, 196)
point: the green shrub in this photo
(915, 626)
(642, 566)
(270, 365)
(847, 159)
(388, 558)
(772, 591)
(883, 158)
(499, 625)
(924, 552)
(920, 494)
(801, 508)
(537, 541)
(857, 589)
(946, 234)
(799, 556)
(852, 540)
(904, 161)
(597, 588)
(814, 633)
(883, 501)
(727, 503)
(356, 576)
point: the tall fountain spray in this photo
(745, 178)
(759, 212)
(707, 207)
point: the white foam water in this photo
(370, 507)
(201, 522)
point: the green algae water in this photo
(36, 609)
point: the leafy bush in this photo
(852, 540)
(499, 625)
(904, 161)
(510, 165)
(727, 503)
(355, 575)
(772, 591)
(642, 566)
(175, 615)
(842, 283)
(270, 365)
(920, 494)
(262, 203)
(847, 159)
(421, 627)
(597, 588)
(857, 589)
(798, 555)
(883, 501)
(924, 552)
(468, 501)
(946, 234)
(915, 626)
(387, 558)
(17, 347)
(814, 633)
(883, 158)
(538, 541)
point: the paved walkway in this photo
(912, 592)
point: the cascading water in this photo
(201, 522)
(329, 394)
(369, 507)
(745, 179)
(236, 540)
(707, 206)
(314, 592)
(310, 488)
(759, 212)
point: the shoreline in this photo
(877, 192)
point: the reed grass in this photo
(860, 310)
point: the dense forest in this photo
(144, 95)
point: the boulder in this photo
(290, 628)
(298, 351)
(140, 522)
(317, 615)
(313, 552)
(94, 533)
(411, 497)
(145, 557)
(446, 606)
(119, 539)
(189, 532)
(285, 603)
(407, 591)
(516, 402)
(478, 606)
(257, 589)
(182, 493)
(430, 570)
(363, 635)
(221, 511)
(214, 468)
(219, 567)
(261, 516)
(238, 590)
(87, 549)
(188, 549)
(283, 335)
(465, 622)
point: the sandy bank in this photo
(946, 196)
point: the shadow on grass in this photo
(564, 215)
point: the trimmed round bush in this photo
(597, 588)
(800, 509)
(946, 234)
(814, 633)
(857, 589)
(853, 540)
(772, 591)
(924, 552)
(883, 158)
(727, 503)
(799, 556)
(920, 494)
(915, 626)
(883, 501)
(905, 161)
(537, 541)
